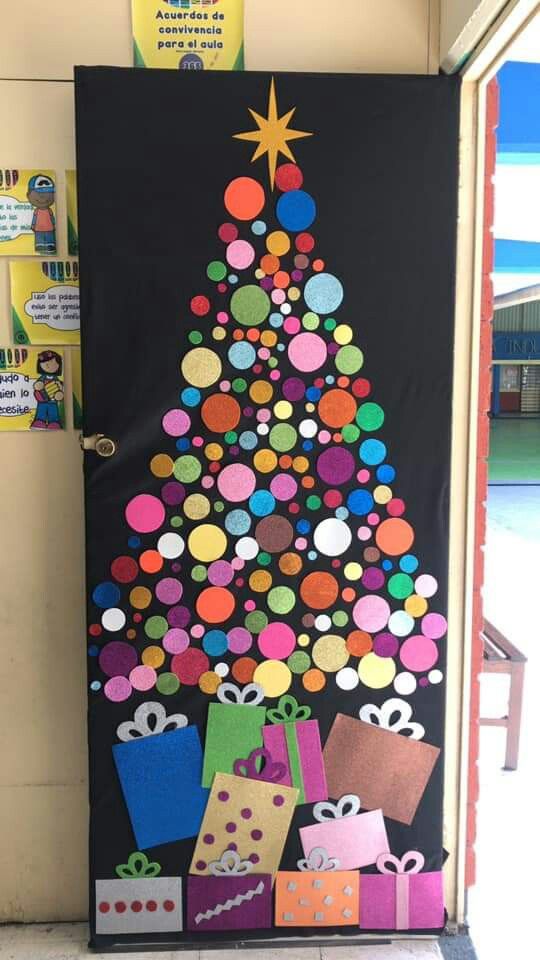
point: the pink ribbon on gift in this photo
(387, 863)
(271, 771)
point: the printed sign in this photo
(31, 389)
(27, 212)
(188, 34)
(45, 301)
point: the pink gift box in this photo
(401, 898)
(355, 839)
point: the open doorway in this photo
(500, 904)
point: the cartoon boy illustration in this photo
(48, 391)
(41, 195)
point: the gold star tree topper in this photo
(273, 134)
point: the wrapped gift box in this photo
(234, 728)
(318, 895)
(160, 774)
(234, 897)
(400, 897)
(355, 839)
(294, 739)
(250, 816)
(375, 758)
(140, 901)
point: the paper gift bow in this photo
(138, 867)
(249, 696)
(336, 811)
(318, 861)
(288, 710)
(230, 865)
(395, 708)
(270, 772)
(140, 725)
(402, 873)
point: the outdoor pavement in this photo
(503, 903)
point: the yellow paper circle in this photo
(153, 656)
(382, 494)
(196, 506)
(274, 677)
(283, 409)
(260, 581)
(416, 606)
(265, 461)
(161, 465)
(343, 334)
(278, 243)
(213, 451)
(209, 682)
(201, 367)
(376, 672)
(330, 653)
(140, 598)
(261, 391)
(207, 542)
(352, 571)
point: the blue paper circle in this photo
(323, 293)
(296, 210)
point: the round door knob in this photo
(105, 447)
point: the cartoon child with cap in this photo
(41, 195)
(48, 391)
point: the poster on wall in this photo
(71, 212)
(45, 301)
(27, 212)
(267, 550)
(31, 389)
(188, 34)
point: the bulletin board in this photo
(267, 326)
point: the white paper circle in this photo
(332, 537)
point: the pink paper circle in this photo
(145, 513)
(277, 641)
(236, 482)
(143, 677)
(418, 653)
(176, 640)
(169, 590)
(307, 352)
(371, 613)
(240, 254)
(239, 640)
(434, 626)
(283, 486)
(117, 689)
(176, 423)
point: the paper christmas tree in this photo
(270, 543)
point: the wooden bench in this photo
(501, 656)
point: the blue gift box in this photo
(160, 773)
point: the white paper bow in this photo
(335, 811)
(140, 725)
(388, 863)
(250, 695)
(395, 707)
(319, 861)
(230, 865)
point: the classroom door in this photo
(267, 283)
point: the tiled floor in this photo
(67, 941)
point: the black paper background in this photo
(154, 155)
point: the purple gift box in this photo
(232, 898)
(400, 897)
